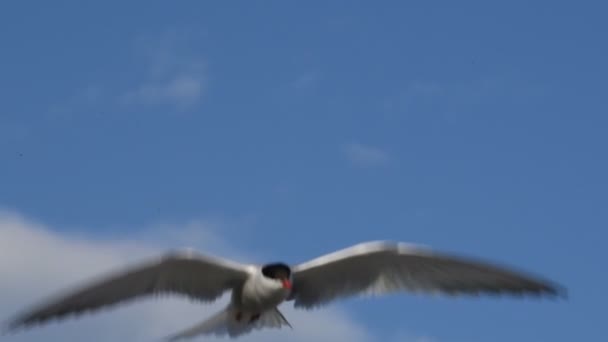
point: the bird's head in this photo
(279, 272)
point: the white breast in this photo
(261, 293)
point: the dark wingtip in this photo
(11, 327)
(6, 329)
(560, 292)
(551, 289)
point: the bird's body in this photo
(259, 293)
(258, 290)
(253, 305)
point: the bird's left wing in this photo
(384, 267)
(186, 273)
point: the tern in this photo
(377, 267)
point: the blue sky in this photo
(296, 128)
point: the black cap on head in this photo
(276, 270)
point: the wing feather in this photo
(384, 267)
(185, 273)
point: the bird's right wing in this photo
(186, 273)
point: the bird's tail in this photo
(232, 323)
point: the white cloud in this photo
(175, 75)
(183, 91)
(364, 155)
(36, 262)
(307, 80)
(165, 70)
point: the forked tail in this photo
(225, 323)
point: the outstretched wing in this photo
(384, 267)
(186, 273)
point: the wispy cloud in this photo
(167, 71)
(307, 79)
(175, 74)
(183, 91)
(365, 155)
(465, 92)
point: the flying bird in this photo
(377, 267)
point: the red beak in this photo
(286, 284)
